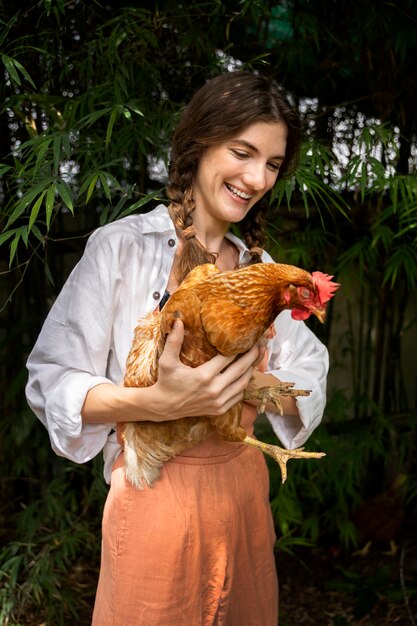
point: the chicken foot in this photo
(272, 394)
(281, 455)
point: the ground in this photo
(325, 588)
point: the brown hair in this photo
(219, 110)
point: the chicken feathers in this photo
(224, 312)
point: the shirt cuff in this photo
(69, 436)
(294, 430)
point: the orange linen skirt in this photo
(194, 550)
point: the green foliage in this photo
(367, 591)
(319, 499)
(56, 549)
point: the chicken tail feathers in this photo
(143, 463)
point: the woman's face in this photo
(233, 176)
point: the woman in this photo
(197, 548)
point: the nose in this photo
(256, 176)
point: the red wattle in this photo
(300, 314)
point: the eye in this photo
(239, 154)
(274, 166)
(305, 293)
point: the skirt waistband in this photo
(210, 452)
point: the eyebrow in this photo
(245, 143)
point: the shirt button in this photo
(171, 243)
(156, 295)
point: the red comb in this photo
(325, 285)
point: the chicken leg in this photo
(281, 455)
(272, 394)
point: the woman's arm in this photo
(297, 356)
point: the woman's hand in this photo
(181, 391)
(210, 389)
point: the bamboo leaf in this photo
(66, 146)
(4, 169)
(7, 27)
(136, 205)
(114, 115)
(402, 263)
(91, 118)
(91, 187)
(11, 70)
(65, 193)
(22, 70)
(50, 201)
(37, 233)
(40, 160)
(14, 245)
(7, 235)
(48, 274)
(104, 215)
(57, 153)
(105, 185)
(363, 180)
(35, 210)
(25, 236)
(117, 209)
(133, 107)
(127, 113)
(112, 180)
(26, 199)
(86, 183)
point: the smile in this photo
(237, 192)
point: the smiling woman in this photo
(197, 547)
(234, 176)
(230, 113)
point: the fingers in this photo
(211, 388)
(173, 342)
(177, 332)
(261, 354)
(222, 364)
(240, 366)
(228, 386)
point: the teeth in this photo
(241, 194)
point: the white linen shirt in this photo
(87, 335)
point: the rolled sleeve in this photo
(70, 357)
(298, 356)
(69, 436)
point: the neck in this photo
(210, 233)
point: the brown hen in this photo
(224, 312)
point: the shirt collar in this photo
(159, 221)
(244, 256)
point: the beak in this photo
(319, 312)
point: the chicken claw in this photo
(272, 394)
(281, 455)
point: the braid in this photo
(253, 230)
(193, 252)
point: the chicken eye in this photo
(305, 293)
